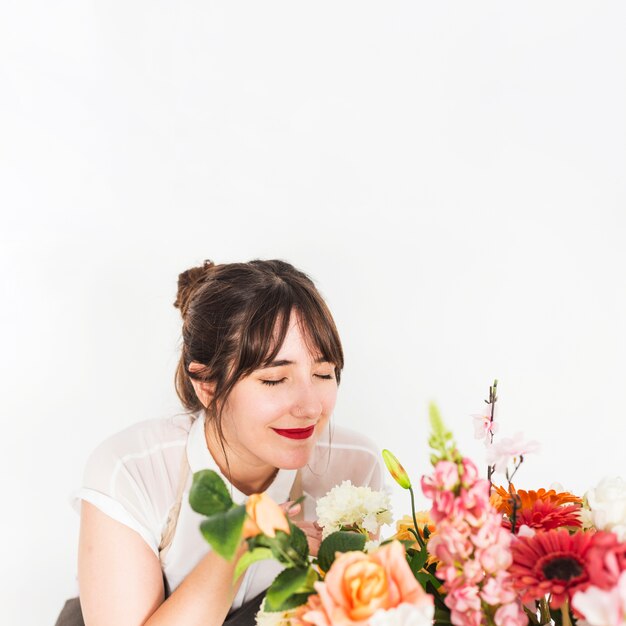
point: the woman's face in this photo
(273, 417)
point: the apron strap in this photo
(172, 517)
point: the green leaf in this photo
(340, 541)
(298, 541)
(289, 582)
(223, 531)
(250, 557)
(258, 541)
(279, 545)
(208, 494)
(425, 578)
(297, 599)
(442, 617)
(418, 560)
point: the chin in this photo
(294, 459)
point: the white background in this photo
(451, 174)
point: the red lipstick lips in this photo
(295, 433)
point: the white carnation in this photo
(371, 545)
(607, 502)
(348, 505)
(405, 615)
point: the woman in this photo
(258, 374)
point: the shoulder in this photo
(146, 437)
(139, 448)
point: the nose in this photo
(306, 402)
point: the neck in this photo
(243, 476)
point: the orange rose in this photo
(263, 516)
(358, 584)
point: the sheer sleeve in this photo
(132, 477)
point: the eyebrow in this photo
(281, 362)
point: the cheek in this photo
(261, 410)
(329, 399)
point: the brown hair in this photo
(235, 318)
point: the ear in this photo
(203, 390)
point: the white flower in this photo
(602, 608)
(270, 618)
(371, 545)
(500, 454)
(349, 505)
(405, 615)
(607, 502)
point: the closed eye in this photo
(325, 376)
(271, 383)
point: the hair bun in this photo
(188, 283)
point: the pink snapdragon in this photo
(472, 547)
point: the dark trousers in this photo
(71, 615)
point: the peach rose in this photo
(357, 585)
(263, 516)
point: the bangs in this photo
(268, 325)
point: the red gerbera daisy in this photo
(541, 509)
(552, 562)
(545, 515)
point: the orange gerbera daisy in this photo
(541, 510)
(501, 498)
(553, 562)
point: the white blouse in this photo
(133, 477)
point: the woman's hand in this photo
(311, 529)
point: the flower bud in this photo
(396, 470)
(264, 517)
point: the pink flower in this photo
(358, 584)
(497, 590)
(500, 454)
(494, 558)
(469, 473)
(473, 572)
(463, 599)
(490, 533)
(446, 475)
(464, 605)
(606, 560)
(475, 502)
(443, 505)
(511, 614)
(484, 427)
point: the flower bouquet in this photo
(483, 555)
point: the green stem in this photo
(532, 616)
(544, 611)
(565, 618)
(288, 557)
(417, 535)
